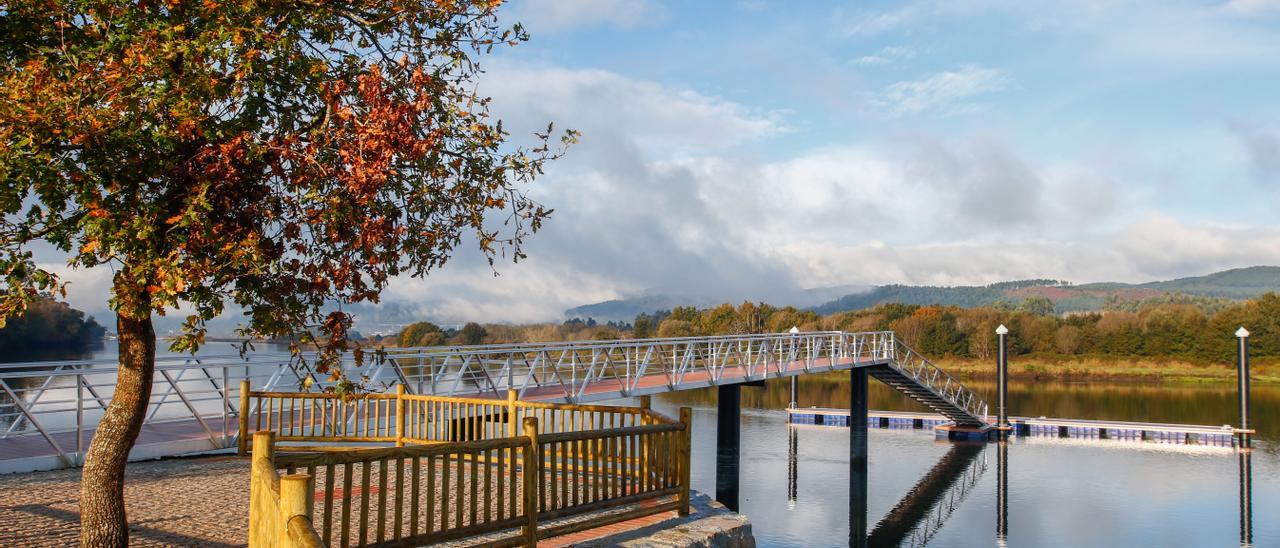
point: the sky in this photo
(748, 149)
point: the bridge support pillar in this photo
(728, 444)
(794, 391)
(858, 457)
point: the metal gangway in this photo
(48, 410)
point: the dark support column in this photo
(1002, 381)
(794, 400)
(728, 445)
(1002, 492)
(1242, 375)
(858, 457)
(1246, 497)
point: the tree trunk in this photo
(102, 513)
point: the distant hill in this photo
(1235, 284)
(626, 310)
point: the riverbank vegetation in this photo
(48, 323)
(1171, 338)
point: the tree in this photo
(49, 324)
(643, 327)
(472, 333)
(1037, 305)
(281, 159)
(421, 334)
(673, 327)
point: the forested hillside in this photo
(49, 323)
(1162, 328)
(1214, 290)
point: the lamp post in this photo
(1002, 371)
(1242, 374)
(795, 331)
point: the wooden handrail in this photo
(392, 495)
(401, 418)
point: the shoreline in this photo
(1264, 371)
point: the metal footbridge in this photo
(48, 410)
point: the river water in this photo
(1060, 492)
(795, 480)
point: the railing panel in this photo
(447, 490)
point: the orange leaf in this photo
(89, 246)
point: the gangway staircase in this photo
(920, 380)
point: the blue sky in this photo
(747, 149)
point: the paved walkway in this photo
(198, 501)
(173, 502)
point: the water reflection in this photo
(1205, 404)
(1002, 492)
(920, 513)
(793, 461)
(1246, 497)
(925, 508)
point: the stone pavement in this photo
(172, 502)
(203, 501)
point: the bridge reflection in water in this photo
(925, 508)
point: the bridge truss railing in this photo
(566, 370)
(58, 403)
(916, 366)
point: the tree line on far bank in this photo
(48, 323)
(1165, 327)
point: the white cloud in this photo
(1182, 34)
(666, 192)
(1254, 7)
(886, 56)
(602, 104)
(1261, 143)
(944, 92)
(1155, 247)
(562, 15)
(872, 24)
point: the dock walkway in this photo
(1043, 427)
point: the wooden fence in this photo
(402, 418)
(280, 508)
(457, 470)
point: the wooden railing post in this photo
(400, 392)
(532, 474)
(512, 396)
(296, 499)
(646, 401)
(262, 530)
(682, 460)
(243, 441)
